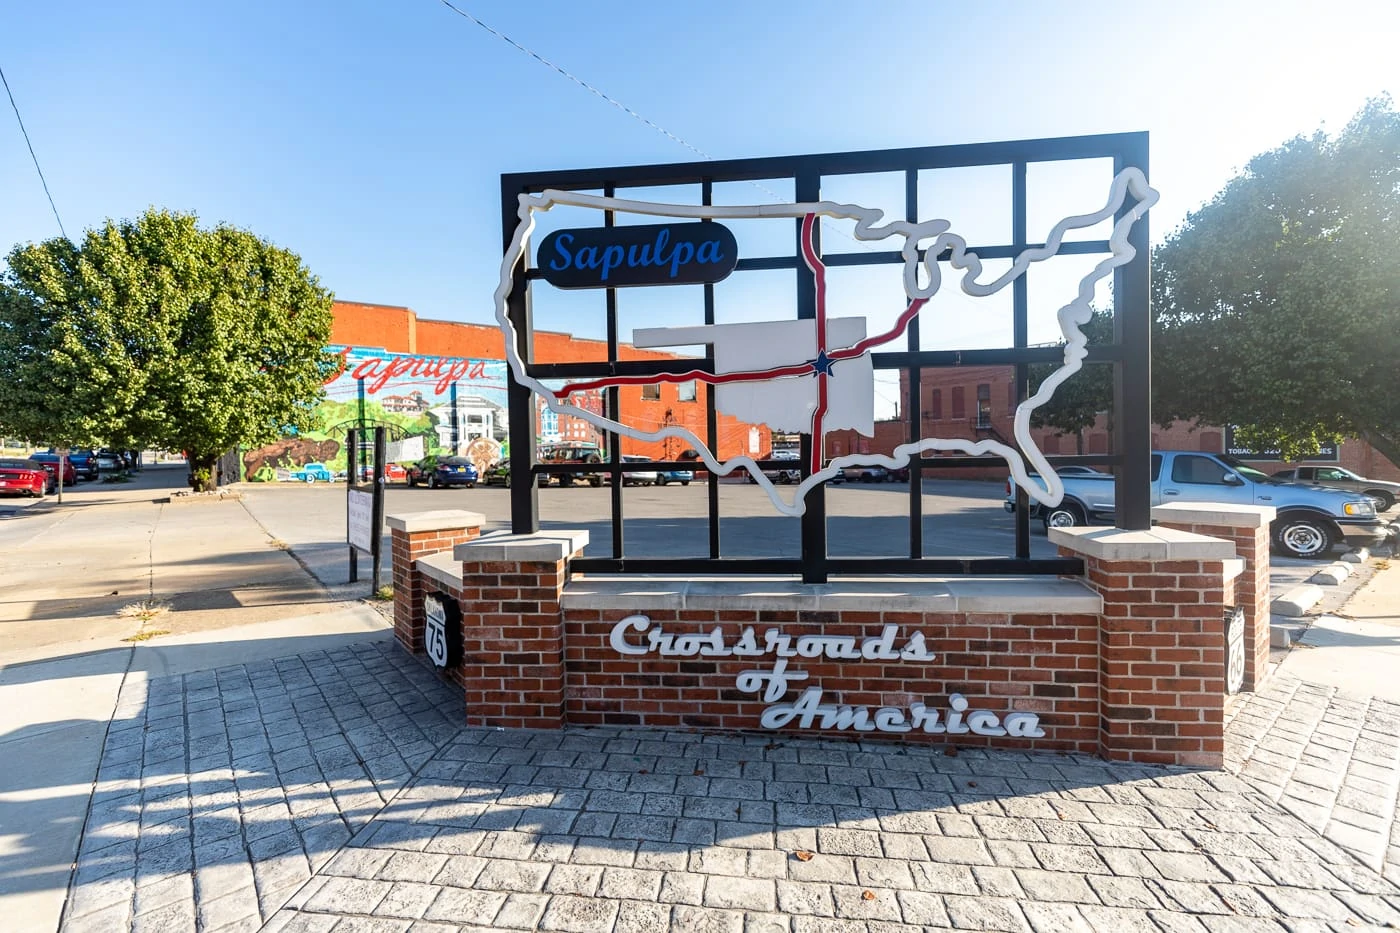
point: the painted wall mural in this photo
(412, 394)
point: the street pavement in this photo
(294, 770)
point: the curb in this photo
(1297, 601)
(1332, 574)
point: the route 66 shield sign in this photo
(1234, 650)
(442, 634)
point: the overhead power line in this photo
(579, 81)
(25, 133)
(627, 110)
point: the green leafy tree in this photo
(1076, 404)
(156, 330)
(1277, 304)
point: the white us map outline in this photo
(1071, 317)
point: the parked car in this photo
(50, 461)
(1383, 493)
(867, 474)
(312, 473)
(109, 460)
(781, 475)
(1010, 503)
(638, 477)
(497, 474)
(436, 470)
(84, 461)
(674, 476)
(1310, 520)
(20, 477)
(393, 473)
(571, 453)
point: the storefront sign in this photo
(442, 635)
(359, 519)
(808, 710)
(648, 254)
(1234, 650)
(1327, 450)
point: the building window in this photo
(685, 392)
(652, 391)
(1011, 396)
(959, 407)
(984, 405)
(935, 405)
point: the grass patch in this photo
(385, 593)
(280, 544)
(145, 610)
(146, 635)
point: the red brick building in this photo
(979, 402)
(400, 330)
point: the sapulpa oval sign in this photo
(649, 254)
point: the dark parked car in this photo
(1382, 492)
(84, 461)
(442, 471)
(50, 462)
(571, 453)
(20, 477)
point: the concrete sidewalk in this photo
(276, 762)
(208, 575)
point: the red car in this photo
(50, 462)
(26, 477)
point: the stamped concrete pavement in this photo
(335, 791)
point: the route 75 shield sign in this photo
(442, 635)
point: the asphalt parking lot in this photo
(960, 519)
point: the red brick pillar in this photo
(1247, 527)
(415, 535)
(512, 670)
(1161, 640)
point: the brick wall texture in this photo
(1001, 663)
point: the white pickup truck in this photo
(1311, 519)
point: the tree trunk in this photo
(1387, 446)
(204, 475)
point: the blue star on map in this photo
(822, 365)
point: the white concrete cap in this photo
(504, 546)
(440, 520)
(1156, 544)
(1039, 595)
(1215, 513)
(1234, 567)
(440, 567)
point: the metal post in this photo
(377, 510)
(524, 497)
(455, 421)
(914, 405)
(808, 185)
(1132, 374)
(352, 467)
(1020, 327)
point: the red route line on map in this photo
(809, 254)
(814, 262)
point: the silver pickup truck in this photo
(1311, 519)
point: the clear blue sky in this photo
(369, 137)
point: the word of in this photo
(651, 254)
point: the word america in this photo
(808, 710)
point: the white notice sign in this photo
(359, 518)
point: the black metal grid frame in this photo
(1130, 352)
